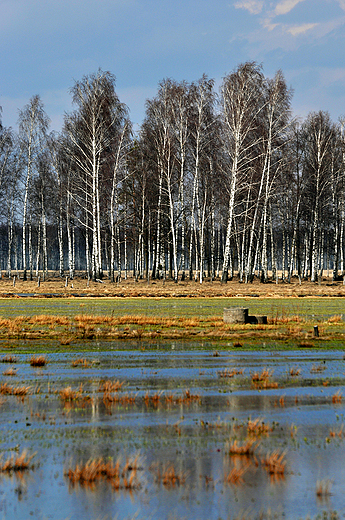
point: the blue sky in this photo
(47, 44)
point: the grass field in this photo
(164, 309)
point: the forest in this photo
(213, 185)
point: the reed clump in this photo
(262, 380)
(123, 399)
(235, 476)
(45, 319)
(321, 367)
(294, 371)
(20, 462)
(20, 391)
(10, 372)
(111, 386)
(68, 394)
(323, 488)
(247, 448)
(337, 397)
(97, 469)
(274, 462)
(170, 477)
(258, 427)
(337, 318)
(38, 361)
(227, 372)
(81, 363)
(9, 358)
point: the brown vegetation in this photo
(81, 363)
(9, 359)
(258, 427)
(97, 469)
(165, 288)
(18, 462)
(247, 448)
(10, 372)
(38, 361)
(20, 391)
(274, 462)
(169, 477)
(236, 475)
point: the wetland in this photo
(245, 424)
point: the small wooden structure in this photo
(240, 315)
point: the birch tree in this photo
(33, 126)
(92, 130)
(241, 103)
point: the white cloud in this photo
(296, 30)
(286, 6)
(342, 4)
(253, 6)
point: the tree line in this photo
(212, 184)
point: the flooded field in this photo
(170, 431)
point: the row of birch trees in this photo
(213, 184)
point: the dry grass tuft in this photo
(68, 394)
(258, 427)
(274, 462)
(318, 368)
(169, 477)
(247, 448)
(110, 386)
(236, 475)
(337, 433)
(9, 359)
(10, 372)
(20, 391)
(323, 488)
(20, 462)
(337, 397)
(230, 373)
(261, 380)
(38, 361)
(337, 318)
(294, 371)
(97, 469)
(81, 363)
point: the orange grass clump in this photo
(258, 427)
(68, 394)
(45, 319)
(97, 469)
(17, 463)
(274, 463)
(236, 475)
(38, 361)
(6, 389)
(294, 371)
(170, 477)
(10, 372)
(247, 448)
(230, 373)
(262, 380)
(337, 318)
(9, 359)
(318, 368)
(82, 362)
(124, 399)
(111, 386)
(323, 488)
(337, 397)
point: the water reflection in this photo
(178, 410)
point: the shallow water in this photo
(193, 435)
